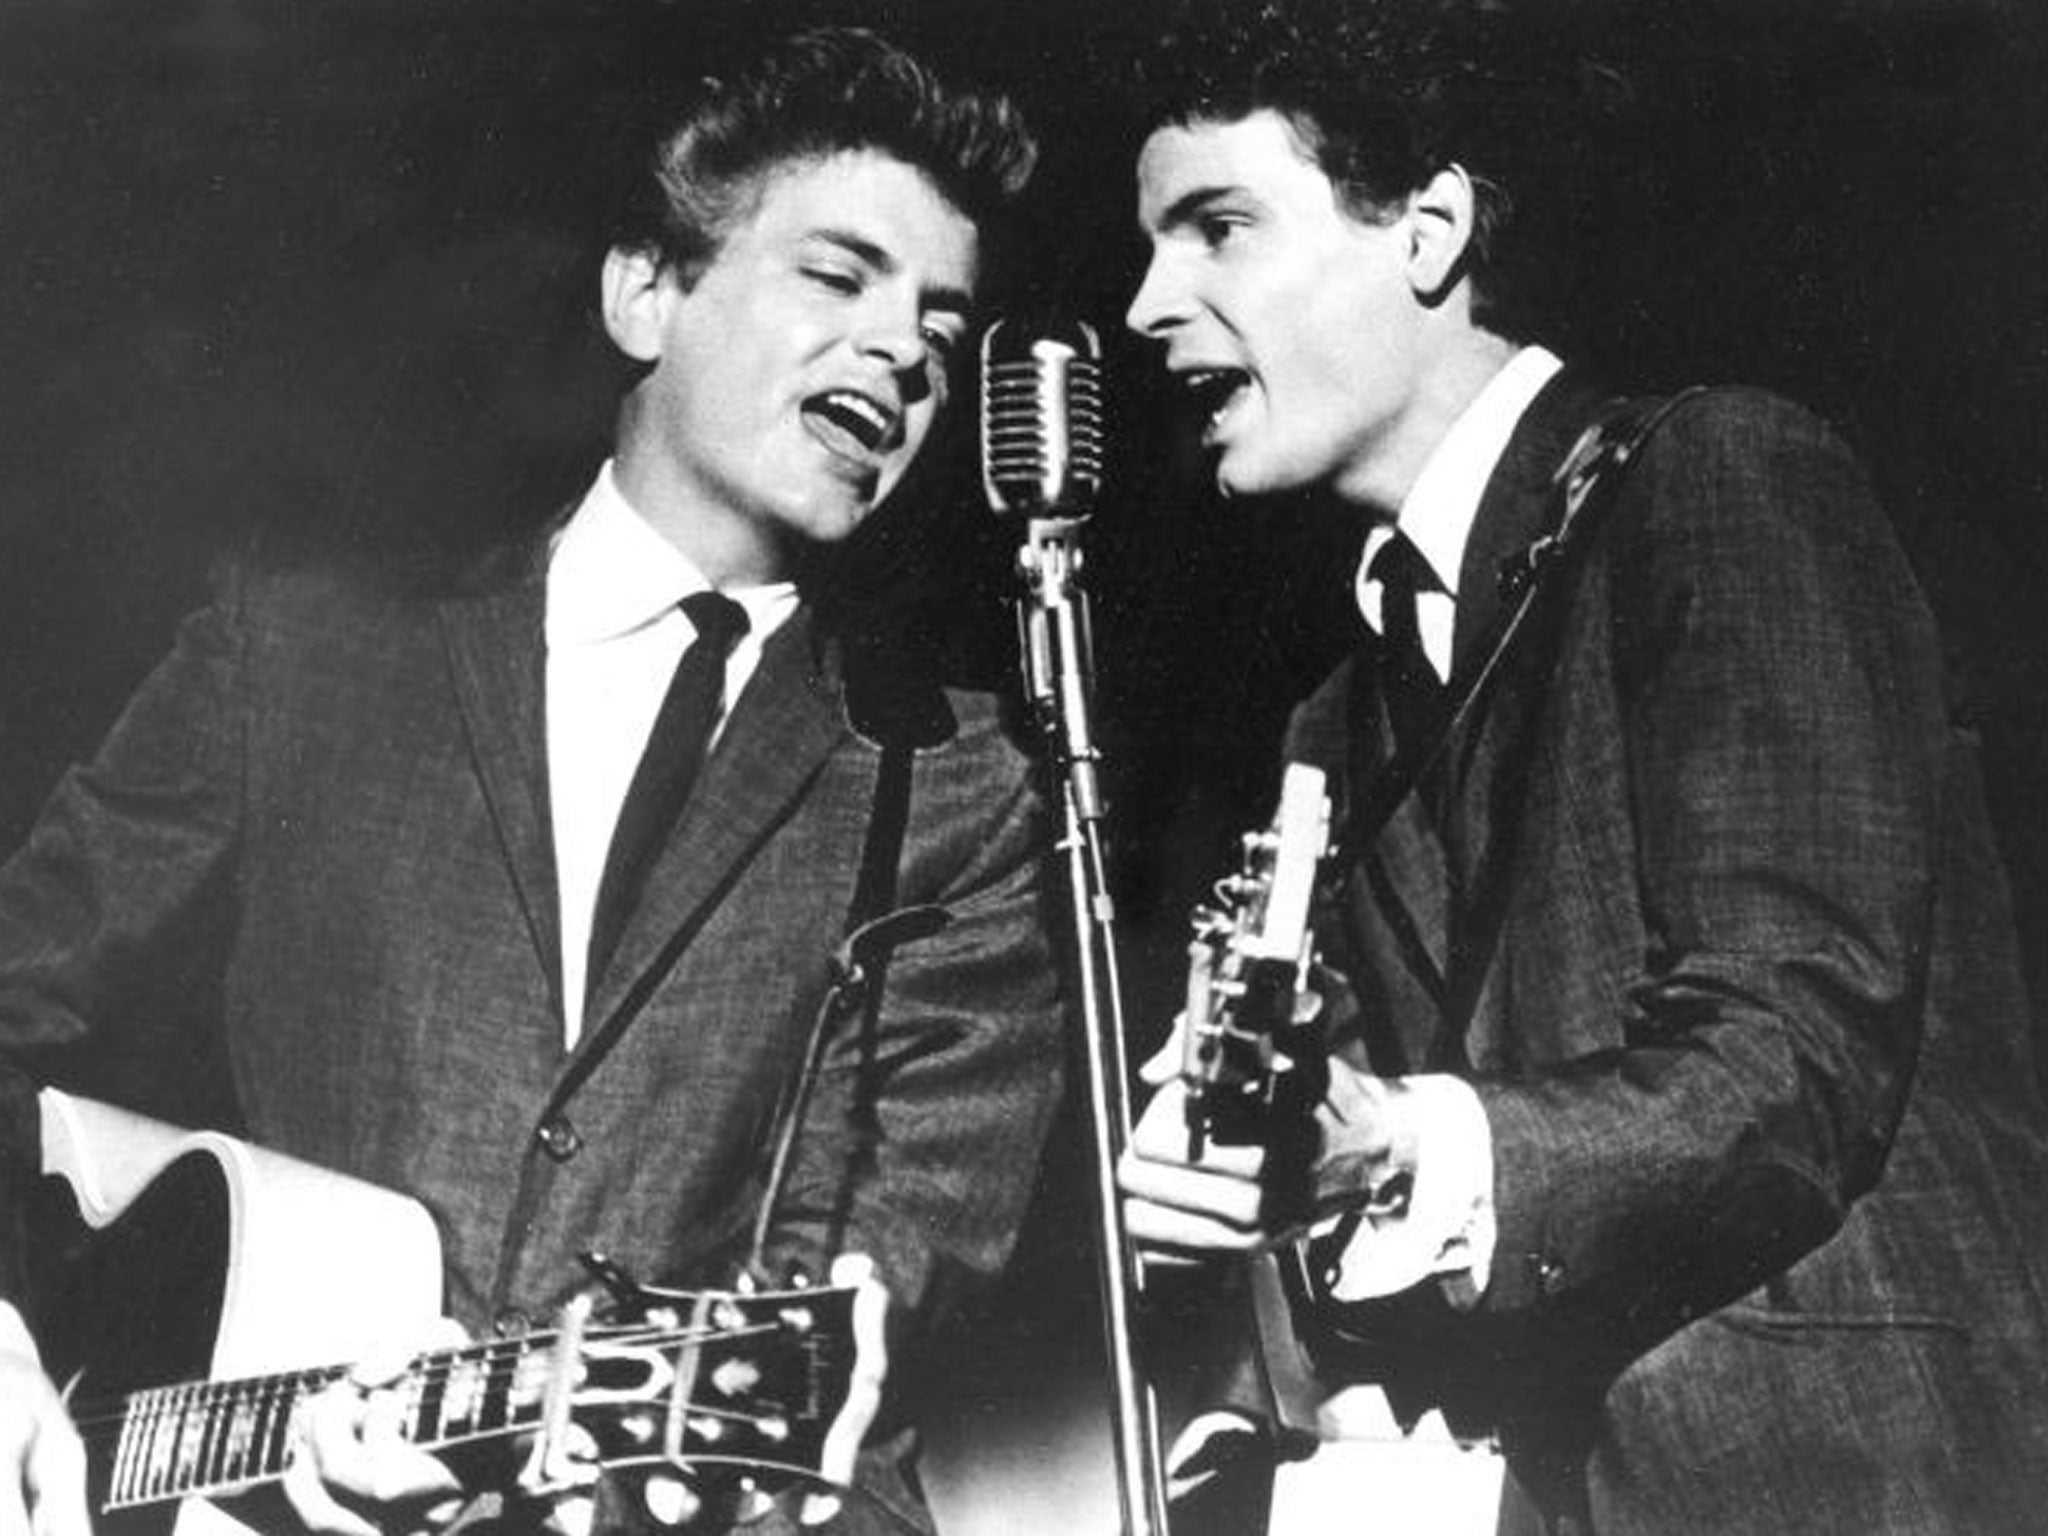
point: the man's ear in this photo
(1440, 218)
(635, 291)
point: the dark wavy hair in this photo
(1383, 94)
(707, 151)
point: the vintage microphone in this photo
(1041, 460)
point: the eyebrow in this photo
(885, 262)
(1185, 208)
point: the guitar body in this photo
(187, 1256)
(198, 1291)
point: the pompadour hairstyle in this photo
(1383, 94)
(706, 154)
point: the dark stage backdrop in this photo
(314, 272)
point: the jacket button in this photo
(559, 1138)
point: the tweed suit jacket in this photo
(358, 775)
(1708, 911)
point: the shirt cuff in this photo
(1446, 1229)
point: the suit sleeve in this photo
(923, 1143)
(1779, 695)
(111, 880)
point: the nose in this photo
(1161, 300)
(895, 334)
(903, 350)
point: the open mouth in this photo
(1214, 390)
(846, 419)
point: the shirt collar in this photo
(610, 574)
(1443, 503)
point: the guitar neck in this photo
(216, 1437)
(741, 1387)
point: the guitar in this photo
(1254, 1065)
(1252, 1058)
(208, 1285)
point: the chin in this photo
(1242, 472)
(831, 514)
(1235, 480)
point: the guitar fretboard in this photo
(215, 1437)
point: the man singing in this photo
(476, 952)
(1680, 1124)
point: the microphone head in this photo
(1041, 418)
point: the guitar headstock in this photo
(724, 1397)
(1249, 1011)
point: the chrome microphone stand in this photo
(1055, 644)
(1042, 458)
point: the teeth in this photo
(1213, 388)
(867, 421)
(861, 405)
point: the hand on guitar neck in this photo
(1354, 1151)
(1257, 1134)
(354, 1473)
(203, 1329)
(350, 1448)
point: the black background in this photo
(318, 270)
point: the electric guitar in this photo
(209, 1286)
(1254, 1066)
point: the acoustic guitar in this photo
(208, 1288)
(1255, 1064)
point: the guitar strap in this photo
(1582, 487)
(1585, 486)
(875, 927)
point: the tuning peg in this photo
(669, 1500)
(819, 1508)
(797, 1319)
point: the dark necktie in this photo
(668, 767)
(1413, 691)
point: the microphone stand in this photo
(1054, 638)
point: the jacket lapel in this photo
(1432, 874)
(787, 722)
(1516, 506)
(496, 645)
(1490, 760)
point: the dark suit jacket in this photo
(1714, 875)
(359, 775)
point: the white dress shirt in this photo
(1440, 508)
(614, 636)
(1447, 1229)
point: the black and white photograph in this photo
(1023, 768)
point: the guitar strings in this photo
(206, 1454)
(103, 1418)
